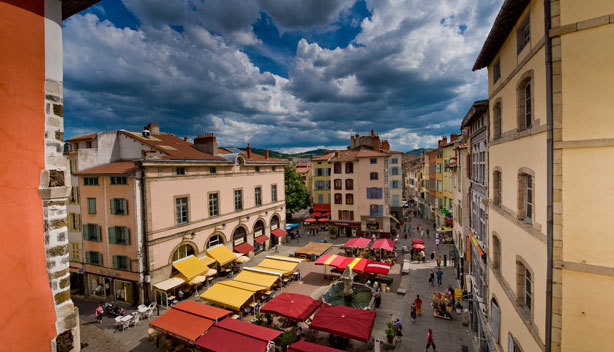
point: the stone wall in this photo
(54, 190)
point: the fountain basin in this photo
(361, 297)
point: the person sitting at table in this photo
(180, 294)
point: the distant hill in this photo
(417, 151)
(309, 154)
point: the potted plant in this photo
(333, 231)
(287, 338)
(391, 332)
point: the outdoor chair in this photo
(118, 321)
(125, 325)
(136, 317)
(150, 312)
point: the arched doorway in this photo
(239, 236)
(274, 226)
(259, 237)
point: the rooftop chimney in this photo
(372, 133)
(153, 128)
(206, 143)
(248, 151)
(266, 154)
(185, 138)
(385, 145)
(376, 145)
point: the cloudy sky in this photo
(288, 75)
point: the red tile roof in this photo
(116, 168)
(81, 137)
(367, 153)
(174, 147)
(345, 155)
(323, 157)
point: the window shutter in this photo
(115, 262)
(113, 208)
(112, 236)
(351, 214)
(340, 215)
(86, 232)
(128, 264)
(125, 206)
(99, 256)
(88, 257)
(98, 238)
(71, 224)
(78, 222)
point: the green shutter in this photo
(88, 257)
(115, 262)
(98, 237)
(86, 232)
(113, 209)
(112, 237)
(125, 204)
(129, 264)
(99, 258)
(127, 233)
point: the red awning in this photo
(384, 243)
(247, 329)
(315, 215)
(261, 239)
(201, 309)
(244, 248)
(323, 258)
(221, 340)
(279, 233)
(344, 321)
(323, 220)
(304, 346)
(292, 305)
(342, 264)
(359, 242)
(378, 268)
(417, 242)
(326, 214)
(321, 207)
(419, 246)
(182, 325)
(310, 220)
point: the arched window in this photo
(526, 195)
(214, 240)
(496, 120)
(496, 255)
(274, 222)
(524, 94)
(183, 251)
(496, 180)
(258, 228)
(239, 236)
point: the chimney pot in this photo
(248, 151)
(206, 143)
(153, 128)
(266, 154)
(185, 138)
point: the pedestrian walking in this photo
(428, 233)
(277, 248)
(422, 233)
(99, 312)
(439, 275)
(439, 261)
(412, 311)
(437, 242)
(432, 278)
(418, 304)
(432, 255)
(430, 341)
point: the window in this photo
(74, 222)
(119, 235)
(395, 201)
(212, 170)
(373, 176)
(214, 240)
(91, 232)
(119, 180)
(524, 287)
(338, 184)
(373, 161)
(495, 320)
(75, 252)
(90, 181)
(496, 258)
(180, 171)
(74, 195)
(88, 144)
(238, 199)
(438, 168)
(214, 204)
(394, 161)
(346, 215)
(395, 184)
(496, 112)
(349, 168)
(337, 168)
(239, 236)
(273, 168)
(319, 171)
(376, 210)
(524, 100)
(349, 184)
(496, 178)
(328, 171)
(91, 205)
(523, 34)
(320, 198)
(181, 210)
(94, 258)
(258, 196)
(119, 206)
(349, 199)
(439, 186)
(496, 71)
(257, 168)
(183, 251)
(121, 262)
(338, 198)
(394, 170)
(525, 192)
(527, 105)
(374, 193)
(273, 193)
(512, 344)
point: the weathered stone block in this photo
(59, 135)
(56, 178)
(57, 251)
(53, 87)
(62, 296)
(54, 121)
(64, 341)
(59, 274)
(65, 282)
(58, 110)
(50, 264)
(58, 223)
(53, 98)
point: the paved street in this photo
(449, 335)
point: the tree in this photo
(297, 197)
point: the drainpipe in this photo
(549, 153)
(144, 227)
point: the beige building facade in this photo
(550, 250)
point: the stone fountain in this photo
(349, 293)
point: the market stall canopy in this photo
(294, 259)
(243, 285)
(342, 264)
(378, 268)
(207, 260)
(417, 242)
(278, 233)
(221, 254)
(169, 284)
(310, 220)
(326, 214)
(359, 264)
(188, 320)
(190, 267)
(243, 248)
(310, 248)
(257, 277)
(292, 305)
(279, 264)
(201, 309)
(330, 260)
(304, 346)
(315, 215)
(419, 246)
(349, 322)
(384, 243)
(261, 239)
(359, 242)
(243, 259)
(227, 296)
(232, 335)
(323, 220)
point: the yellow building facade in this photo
(321, 169)
(550, 255)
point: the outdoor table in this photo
(143, 311)
(236, 316)
(126, 318)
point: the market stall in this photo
(292, 305)
(304, 346)
(348, 322)
(231, 335)
(312, 249)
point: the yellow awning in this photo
(207, 260)
(330, 259)
(279, 271)
(287, 258)
(286, 266)
(243, 285)
(256, 278)
(354, 262)
(190, 267)
(227, 296)
(221, 254)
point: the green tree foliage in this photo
(297, 197)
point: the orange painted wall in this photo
(28, 315)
